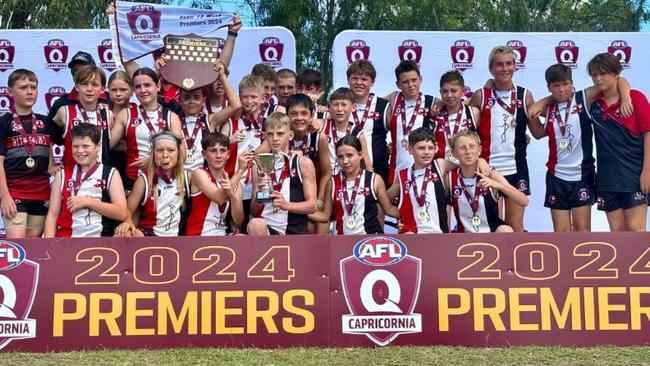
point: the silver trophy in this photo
(265, 165)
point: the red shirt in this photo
(638, 123)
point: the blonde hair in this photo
(252, 81)
(120, 75)
(464, 133)
(276, 120)
(179, 169)
(500, 50)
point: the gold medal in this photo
(190, 158)
(564, 144)
(405, 143)
(222, 221)
(30, 162)
(476, 221)
(351, 224)
(422, 215)
(450, 156)
(513, 123)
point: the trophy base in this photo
(263, 197)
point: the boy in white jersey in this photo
(268, 74)
(474, 195)
(286, 86)
(87, 199)
(195, 123)
(293, 185)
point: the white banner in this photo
(438, 52)
(141, 27)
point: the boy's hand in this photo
(76, 203)
(279, 201)
(8, 207)
(487, 182)
(645, 181)
(237, 23)
(535, 110)
(237, 137)
(627, 109)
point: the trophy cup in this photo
(265, 165)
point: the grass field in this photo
(624, 356)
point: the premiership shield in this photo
(190, 60)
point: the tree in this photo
(315, 23)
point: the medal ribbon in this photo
(198, 125)
(334, 133)
(28, 142)
(512, 108)
(422, 197)
(222, 207)
(208, 105)
(277, 183)
(304, 148)
(445, 125)
(401, 102)
(360, 123)
(558, 117)
(473, 200)
(147, 121)
(348, 201)
(84, 116)
(250, 120)
(78, 179)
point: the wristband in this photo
(231, 33)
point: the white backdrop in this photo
(437, 52)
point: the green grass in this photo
(623, 356)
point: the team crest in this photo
(583, 194)
(620, 49)
(144, 22)
(566, 52)
(551, 199)
(381, 283)
(6, 101)
(105, 53)
(357, 50)
(522, 185)
(53, 93)
(410, 50)
(462, 55)
(56, 55)
(18, 283)
(7, 52)
(520, 53)
(271, 50)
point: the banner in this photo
(141, 27)
(438, 52)
(463, 289)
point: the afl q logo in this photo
(271, 50)
(520, 52)
(410, 50)
(462, 55)
(566, 52)
(357, 50)
(105, 53)
(144, 22)
(6, 101)
(7, 52)
(620, 49)
(56, 55)
(52, 95)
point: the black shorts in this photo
(612, 201)
(520, 181)
(32, 207)
(565, 195)
(147, 232)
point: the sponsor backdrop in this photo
(437, 52)
(473, 290)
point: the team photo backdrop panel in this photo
(438, 52)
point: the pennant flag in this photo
(139, 28)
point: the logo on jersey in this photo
(106, 57)
(56, 55)
(639, 196)
(144, 21)
(271, 50)
(462, 55)
(6, 101)
(566, 52)
(7, 52)
(522, 185)
(520, 53)
(357, 50)
(583, 194)
(410, 50)
(381, 283)
(622, 50)
(18, 282)
(551, 199)
(53, 93)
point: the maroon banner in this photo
(457, 289)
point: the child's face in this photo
(308, 89)
(278, 138)
(605, 81)
(503, 67)
(452, 93)
(409, 83)
(423, 152)
(192, 101)
(561, 90)
(89, 90)
(24, 92)
(165, 154)
(348, 158)
(146, 89)
(251, 99)
(286, 88)
(217, 88)
(300, 118)
(467, 150)
(216, 156)
(360, 84)
(269, 89)
(340, 110)
(85, 151)
(120, 92)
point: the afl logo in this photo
(410, 50)
(520, 52)
(622, 50)
(6, 101)
(105, 53)
(56, 55)
(357, 50)
(53, 93)
(462, 55)
(144, 22)
(566, 52)
(271, 50)
(7, 51)
(379, 251)
(11, 255)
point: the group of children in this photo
(187, 162)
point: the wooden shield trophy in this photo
(189, 60)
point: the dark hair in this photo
(286, 73)
(353, 141)
(309, 77)
(214, 138)
(299, 99)
(604, 63)
(362, 67)
(421, 134)
(556, 73)
(147, 72)
(83, 130)
(406, 66)
(266, 72)
(452, 76)
(342, 94)
(20, 74)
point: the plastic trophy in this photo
(265, 165)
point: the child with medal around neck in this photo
(293, 185)
(473, 194)
(87, 199)
(353, 195)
